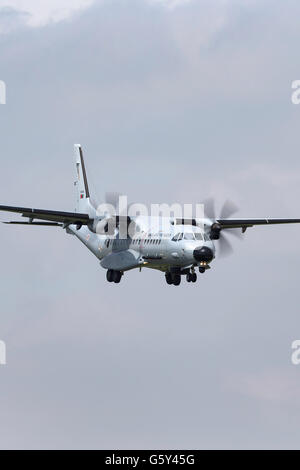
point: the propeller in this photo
(228, 209)
(112, 198)
(121, 213)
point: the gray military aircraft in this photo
(181, 247)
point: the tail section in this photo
(83, 203)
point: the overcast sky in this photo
(172, 101)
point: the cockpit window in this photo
(189, 236)
(198, 236)
(177, 237)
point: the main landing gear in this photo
(191, 277)
(113, 276)
(173, 278)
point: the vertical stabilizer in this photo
(82, 189)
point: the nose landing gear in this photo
(203, 266)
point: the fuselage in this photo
(177, 246)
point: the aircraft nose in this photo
(203, 254)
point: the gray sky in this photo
(171, 101)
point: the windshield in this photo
(198, 236)
(189, 236)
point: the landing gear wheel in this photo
(109, 275)
(117, 276)
(169, 279)
(194, 277)
(189, 277)
(201, 270)
(176, 279)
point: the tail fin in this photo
(83, 203)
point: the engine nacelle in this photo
(215, 231)
(99, 225)
(108, 225)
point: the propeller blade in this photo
(209, 208)
(225, 248)
(93, 203)
(112, 198)
(228, 209)
(236, 232)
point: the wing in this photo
(245, 223)
(53, 217)
(238, 223)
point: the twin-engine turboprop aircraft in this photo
(179, 248)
